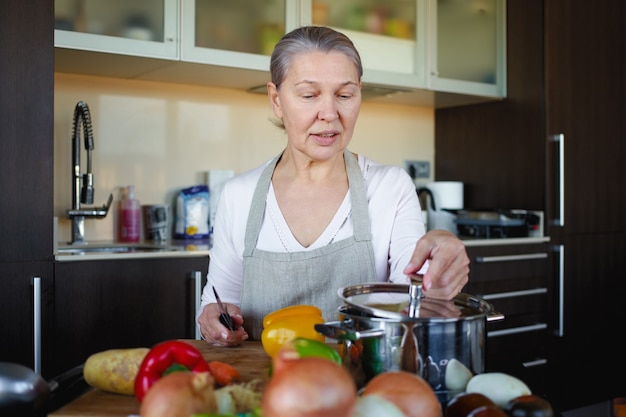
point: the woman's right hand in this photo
(215, 333)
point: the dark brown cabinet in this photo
(514, 278)
(584, 105)
(26, 173)
(565, 72)
(26, 309)
(128, 303)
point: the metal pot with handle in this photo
(24, 392)
(377, 333)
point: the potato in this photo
(114, 370)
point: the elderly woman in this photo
(318, 217)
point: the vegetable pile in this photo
(172, 379)
(307, 379)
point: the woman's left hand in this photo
(448, 264)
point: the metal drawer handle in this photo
(512, 294)
(507, 258)
(560, 139)
(37, 323)
(536, 362)
(516, 330)
(197, 278)
(561, 330)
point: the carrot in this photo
(224, 373)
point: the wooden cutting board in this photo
(249, 358)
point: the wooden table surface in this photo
(249, 358)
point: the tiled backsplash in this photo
(163, 137)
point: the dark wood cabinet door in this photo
(587, 359)
(18, 321)
(102, 305)
(26, 129)
(26, 175)
(585, 90)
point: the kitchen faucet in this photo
(82, 185)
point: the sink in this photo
(113, 249)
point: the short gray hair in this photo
(309, 39)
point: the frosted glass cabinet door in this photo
(389, 34)
(469, 52)
(239, 33)
(139, 27)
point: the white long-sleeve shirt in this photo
(395, 218)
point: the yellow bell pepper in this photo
(297, 310)
(289, 323)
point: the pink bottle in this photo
(129, 216)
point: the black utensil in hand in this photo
(225, 318)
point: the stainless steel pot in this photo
(377, 334)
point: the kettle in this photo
(444, 199)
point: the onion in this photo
(408, 391)
(309, 387)
(457, 375)
(498, 386)
(466, 402)
(180, 394)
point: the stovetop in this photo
(498, 223)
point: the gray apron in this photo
(273, 280)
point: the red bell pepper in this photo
(164, 358)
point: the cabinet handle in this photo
(508, 258)
(536, 362)
(516, 330)
(560, 139)
(197, 280)
(37, 323)
(512, 294)
(561, 329)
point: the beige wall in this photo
(164, 137)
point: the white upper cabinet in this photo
(427, 52)
(467, 41)
(389, 34)
(237, 33)
(146, 28)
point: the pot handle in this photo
(335, 330)
(495, 316)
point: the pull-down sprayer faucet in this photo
(82, 185)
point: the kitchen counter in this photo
(249, 358)
(106, 250)
(200, 247)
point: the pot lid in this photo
(390, 300)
